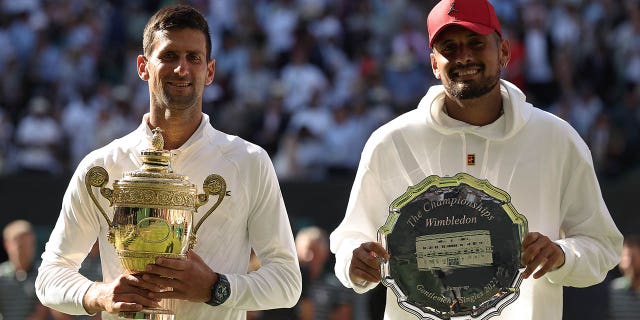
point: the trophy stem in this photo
(149, 314)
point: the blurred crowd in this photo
(308, 80)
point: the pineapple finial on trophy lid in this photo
(157, 141)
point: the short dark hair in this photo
(175, 17)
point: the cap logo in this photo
(452, 9)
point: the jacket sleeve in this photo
(278, 281)
(592, 243)
(367, 210)
(59, 285)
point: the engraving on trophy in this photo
(153, 212)
(153, 197)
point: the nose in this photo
(181, 68)
(464, 54)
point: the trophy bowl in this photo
(153, 213)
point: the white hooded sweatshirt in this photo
(537, 158)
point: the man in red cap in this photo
(481, 126)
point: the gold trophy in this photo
(153, 213)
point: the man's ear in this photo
(142, 67)
(211, 71)
(434, 65)
(505, 53)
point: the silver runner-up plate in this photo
(455, 247)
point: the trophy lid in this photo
(156, 161)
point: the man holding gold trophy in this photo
(476, 204)
(169, 248)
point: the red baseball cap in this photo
(475, 15)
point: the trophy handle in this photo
(213, 185)
(98, 177)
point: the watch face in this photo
(221, 292)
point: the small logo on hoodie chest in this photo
(471, 159)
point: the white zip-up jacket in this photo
(534, 156)
(252, 215)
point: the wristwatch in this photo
(220, 291)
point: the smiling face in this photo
(177, 69)
(468, 63)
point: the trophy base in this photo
(149, 314)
